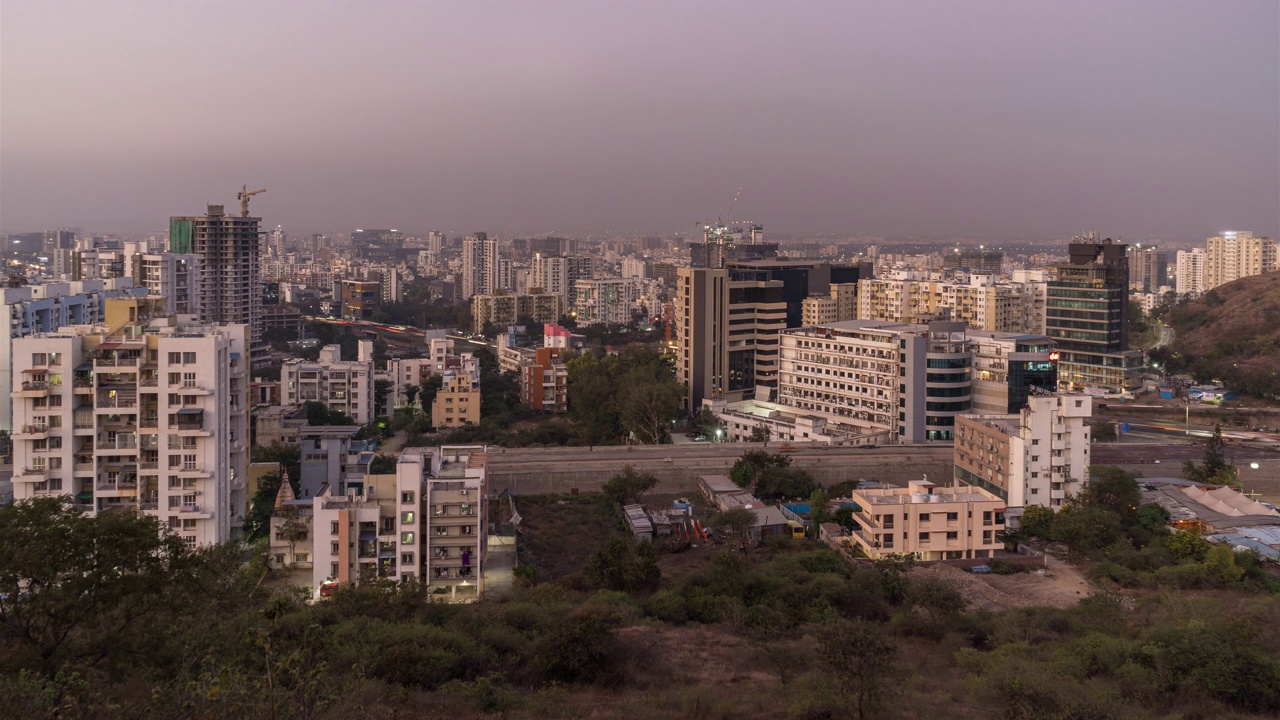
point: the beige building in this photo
(1233, 255)
(845, 296)
(928, 522)
(980, 302)
(503, 310)
(457, 403)
(342, 385)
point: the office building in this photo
(1148, 269)
(359, 299)
(1008, 368)
(1085, 315)
(928, 522)
(1190, 278)
(344, 386)
(1037, 456)
(722, 245)
(909, 381)
(819, 310)
(799, 278)
(1233, 255)
(479, 265)
(147, 413)
(229, 248)
(980, 260)
(380, 245)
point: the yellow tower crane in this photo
(243, 196)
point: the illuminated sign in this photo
(1053, 357)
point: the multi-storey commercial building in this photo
(604, 300)
(359, 298)
(928, 522)
(819, 310)
(479, 265)
(342, 385)
(503, 310)
(544, 382)
(229, 246)
(845, 295)
(145, 413)
(1009, 368)
(871, 377)
(1087, 307)
(1189, 273)
(1233, 255)
(34, 309)
(1038, 456)
(979, 260)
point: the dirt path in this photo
(1060, 586)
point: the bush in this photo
(1004, 567)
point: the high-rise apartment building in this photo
(1148, 269)
(172, 276)
(1233, 255)
(559, 274)
(819, 310)
(232, 284)
(140, 413)
(344, 386)
(1190, 279)
(1087, 306)
(1037, 456)
(34, 309)
(544, 382)
(981, 302)
(479, 265)
(605, 300)
(503, 310)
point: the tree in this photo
(257, 523)
(818, 513)
(843, 517)
(382, 464)
(784, 483)
(746, 470)
(623, 564)
(1085, 528)
(381, 389)
(1037, 521)
(319, 414)
(1187, 546)
(1213, 469)
(760, 434)
(860, 659)
(292, 530)
(1113, 489)
(648, 408)
(74, 587)
(739, 523)
(428, 391)
(706, 422)
(411, 393)
(626, 487)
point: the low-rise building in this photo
(544, 382)
(457, 402)
(342, 385)
(928, 522)
(746, 420)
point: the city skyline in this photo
(991, 119)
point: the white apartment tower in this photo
(479, 265)
(1189, 272)
(1233, 255)
(149, 415)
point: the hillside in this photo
(1230, 334)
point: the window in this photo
(406, 498)
(38, 359)
(953, 536)
(1035, 458)
(924, 517)
(188, 358)
(333, 528)
(175, 359)
(986, 517)
(406, 517)
(924, 537)
(1035, 441)
(406, 558)
(333, 570)
(986, 536)
(333, 548)
(406, 538)
(55, 358)
(952, 517)
(468, 530)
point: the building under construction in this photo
(230, 286)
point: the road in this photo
(1166, 337)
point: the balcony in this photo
(32, 389)
(197, 510)
(149, 465)
(120, 443)
(32, 432)
(116, 401)
(129, 485)
(112, 360)
(191, 388)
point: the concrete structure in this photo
(503, 310)
(559, 275)
(871, 377)
(1233, 255)
(175, 277)
(1007, 367)
(1087, 307)
(342, 385)
(479, 265)
(33, 309)
(278, 424)
(1189, 277)
(1148, 269)
(928, 522)
(327, 459)
(457, 402)
(151, 415)
(819, 310)
(980, 302)
(359, 299)
(1039, 456)
(781, 423)
(229, 246)
(604, 300)
(452, 485)
(544, 382)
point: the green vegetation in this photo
(1213, 470)
(633, 394)
(319, 414)
(628, 486)
(746, 469)
(109, 619)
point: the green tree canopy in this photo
(784, 483)
(746, 470)
(628, 486)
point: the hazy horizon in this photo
(981, 119)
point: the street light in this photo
(719, 432)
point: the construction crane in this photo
(243, 196)
(731, 206)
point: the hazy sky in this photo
(1140, 119)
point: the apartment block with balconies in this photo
(150, 417)
(928, 522)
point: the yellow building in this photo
(457, 403)
(929, 522)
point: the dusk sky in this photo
(996, 119)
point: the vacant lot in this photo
(559, 532)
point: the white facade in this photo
(1189, 272)
(342, 385)
(34, 309)
(173, 276)
(606, 300)
(634, 267)
(479, 265)
(1234, 255)
(150, 418)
